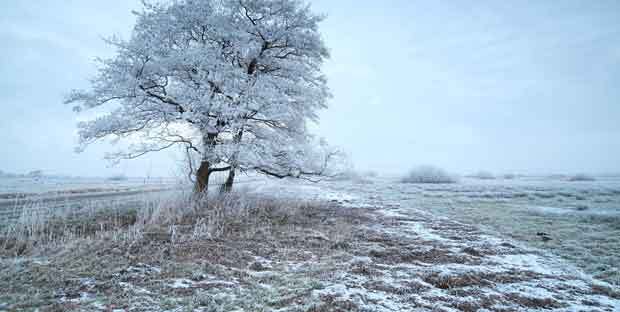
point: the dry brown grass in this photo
(534, 303)
(479, 279)
(177, 220)
(221, 237)
(46, 228)
(605, 290)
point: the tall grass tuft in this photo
(173, 219)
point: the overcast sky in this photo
(506, 86)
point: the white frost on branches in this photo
(233, 81)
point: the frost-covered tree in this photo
(234, 81)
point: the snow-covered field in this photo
(579, 221)
(493, 245)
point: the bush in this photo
(35, 174)
(509, 176)
(371, 174)
(581, 177)
(429, 174)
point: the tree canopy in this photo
(235, 82)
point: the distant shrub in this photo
(509, 176)
(35, 173)
(429, 174)
(482, 175)
(371, 174)
(120, 177)
(582, 207)
(581, 177)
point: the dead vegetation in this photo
(478, 279)
(222, 237)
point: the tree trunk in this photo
(202, 178)
(228, 185)
(204, 171)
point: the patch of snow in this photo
(84, 297)
(128, 287)
(534, 263)
(548, 209)
(181, 283)
(423, 232)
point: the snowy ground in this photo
(579, 221)
(380, 246)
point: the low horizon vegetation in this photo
(117, 178)
(509, 176)
(581, 177)
(429, 174)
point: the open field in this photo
(372, 245)
(11, 187)
(26, 195)
(580, 221)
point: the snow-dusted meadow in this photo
(525, 244)
(576, 220)
(579, 221)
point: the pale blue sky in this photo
(527, 86)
